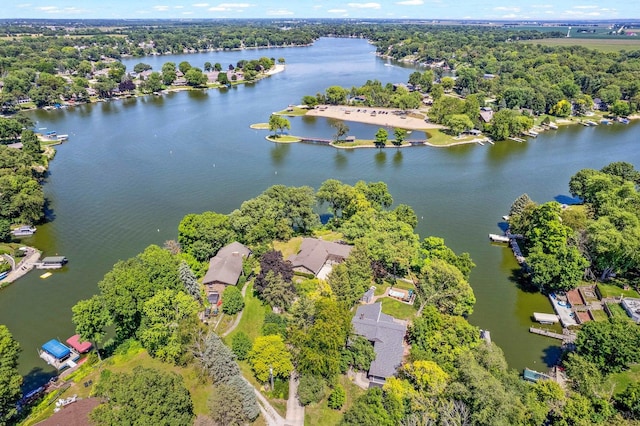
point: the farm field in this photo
(604, 45)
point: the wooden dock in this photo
(566, 337)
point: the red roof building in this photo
(80, 347)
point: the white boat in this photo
(24, 231)
(553, 126)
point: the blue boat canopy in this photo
(55, 348)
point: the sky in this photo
(301, 9)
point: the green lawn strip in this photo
(404, 285)
(293, 111)
(288, 247)
(617, 310)
(618, 382)
(321, 414)
(260, 126)
(280, 405)
(252, 317)
(611, 290)
(602, 44)
(397, 309)
(380, 289)
(439, 138)
(599, 314)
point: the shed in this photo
(80, 347)
(56, 349)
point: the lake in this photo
(133, 168)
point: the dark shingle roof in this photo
(314, 253)
(226, 266)
(387, 335)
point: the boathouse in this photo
(58, 355)
(77, 345)
(54, 261)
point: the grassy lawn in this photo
(283, 138)
(252, 317)
(381, 288)
(260, 126)
(602, 44)
(618, 382)
(321, 414)
(611, 290)
(404, 285)
(397, 309)
(288, 247)
(328, 235)
(617, 310)
(439, 138)
(599, 314)
(293, 111)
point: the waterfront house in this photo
(486, 114)
(225, 267)
(315, 254)
(386, 333)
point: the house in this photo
(74, 413)
(486, 114)
(599, 105)
(225, 267)
(315, 254)
(632, 306)
(387, 336)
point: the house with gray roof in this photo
(226, 267)
(386, 333)
(315, 253)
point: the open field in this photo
(605, 45)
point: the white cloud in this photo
(23, 5)
(200, 5)
(541, 6)
(161, 8)
(507, 9)
(234, 5)
(364, 5)
(279, 12)
(178, 7)
(337, 11)
(411, 2)
(187, 13)
(586, 7)
(510, 16)
(47, 8)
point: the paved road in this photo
(25, 265)
(295, 410)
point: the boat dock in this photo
(534, 376)
(517, 139)
(31, 257)
(566, 337)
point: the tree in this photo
(202, 235)
(241, 345)
(10, 378)
(561, 109)
(232, 301)
(278, 123)
(277, 292)
(91, 318)
(381, 138)
(368, 409)
(146, 396)
(629, 400)
(336, 95)
(31, 144)
(168, 73)
(311, 389)
(191, 285)
(141, 67)
(458, 123)
(444, 286)
(341, 129)
(400, 135)
(358, 354)
(447, 83)
(195, 77)
(153, 83)
(223, 78)
(272, 261)
(207, 66)
(620, 109)
(169, 317)
(269, 356)
(610, 345)
(215, 359)
(520, 204)
(184, 66)
(233, 403)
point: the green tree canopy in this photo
(10, 378)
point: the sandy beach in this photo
(383, 117)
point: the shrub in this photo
(232, 301)
(337, 398)
(241, 345)
(311, 389)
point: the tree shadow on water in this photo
(521, 279)
(551, 355)
(36, 378)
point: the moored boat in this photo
(24, 231)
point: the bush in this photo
(311, 389)
(241, 345)
(232, 301)
(337, 398)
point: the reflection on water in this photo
(381, 158)
(397, 158)
(340, 159)
(279, 153)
